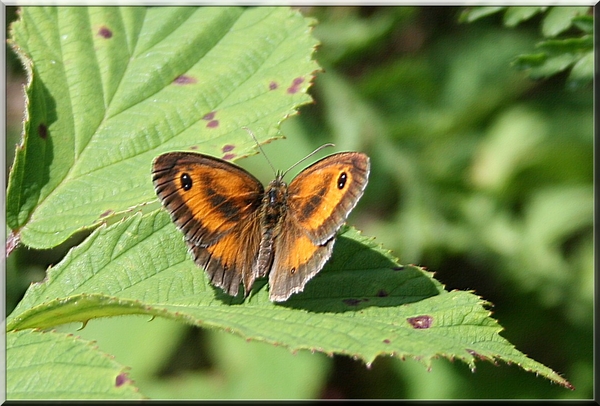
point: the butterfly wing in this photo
(319, 201)
(321, 196)
(215, 204)
(228, 262)
(297, 259)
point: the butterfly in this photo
(239, 232)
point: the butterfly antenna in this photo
(291, 167)
(306, 157)
(261, 150)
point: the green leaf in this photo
(362, 303)
(585, 23)
(50, 365)
(475, 13)
(542, 65)
(558, 55)
(582, 72)
(559, 19)
(528, 61)
(111, 88)
(128, 266)
(516, 15)
(569, 45)
(553, 65)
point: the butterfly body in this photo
(239, 232)
(272, 214)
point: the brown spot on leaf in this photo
(420, 322)
(209, 116)
(43, 131)
(213, 124)
(121, 379)
(273, 85)
(228, 157)
(295, 87)
(354, 301)
(386, 341)
(106, 213)
(228, 148)
(398, 268)
(382, 293)
(184, 80)
(105, 32)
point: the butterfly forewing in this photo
(321, 196)
(206, 197)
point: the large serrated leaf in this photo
(362, 304)
(111, 88)
(50, 365)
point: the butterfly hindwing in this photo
(228, 262)
(297, 259)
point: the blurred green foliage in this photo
(567, 44)
(478, 173)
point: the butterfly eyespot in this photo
(341, 182)
(186, 181)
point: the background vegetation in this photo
(479, 173)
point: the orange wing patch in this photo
(216, 199)
(297, 259)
